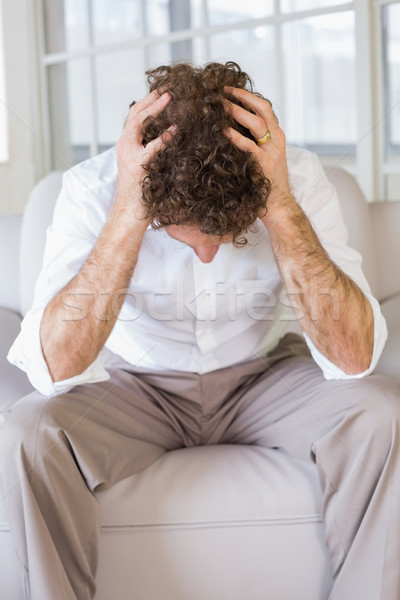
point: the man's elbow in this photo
(359, 359)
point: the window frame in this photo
(365, 159)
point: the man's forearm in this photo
(78, 321)
(331, 308)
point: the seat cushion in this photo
(215, 522)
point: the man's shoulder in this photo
(305, 171)
(101, 168)
(299, 158)
(93, 181)
(87, 194)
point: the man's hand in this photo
(271, 155)
(132, 155)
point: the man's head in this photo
(201, 179)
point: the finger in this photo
(251, 100)
(152, 107)
(240, 141)
(161, 141)
(254, 123)
(156, 108)
(147, 100)
(136, 119)
(261, 107)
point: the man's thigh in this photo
(291, 405)
(113, 428)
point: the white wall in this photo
(23, 168)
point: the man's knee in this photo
(368, 418)
(378, 404)
(23, 419)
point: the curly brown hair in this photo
(201, 178)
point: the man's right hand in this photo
(132, 155)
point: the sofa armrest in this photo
(10, 233)
(13, 383)
(386, 232)
(389, 361)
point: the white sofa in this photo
(207, 523)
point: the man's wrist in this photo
(279, 208)
(127, 217)
(128, 205)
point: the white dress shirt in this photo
(179, 313)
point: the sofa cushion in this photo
(10, 229)
(169, 493)
(37, 217)
(13, 383)
(386, 228)
(357, 217)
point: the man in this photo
(164, 268)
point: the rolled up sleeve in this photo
(331, 371)
(26, 353)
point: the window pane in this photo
(392, 186)
(189, 50)
(199, 50)
(115, 20)
(120, 80)
(253, 50)
(70, 112)
(3, 105)
(392, 70)
(158, 54)
(295, 5)
(163, 16)
(320, 94)
(66, 25)
(232, 11)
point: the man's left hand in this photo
(272, 154)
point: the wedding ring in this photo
(264, 139)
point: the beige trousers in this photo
(55, 452)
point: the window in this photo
(3, 103)
(311, 58)
(319, 58)
(391, 38)
(390, 26)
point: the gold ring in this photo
(264, 139)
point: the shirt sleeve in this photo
(78, 219)
(318, 198)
